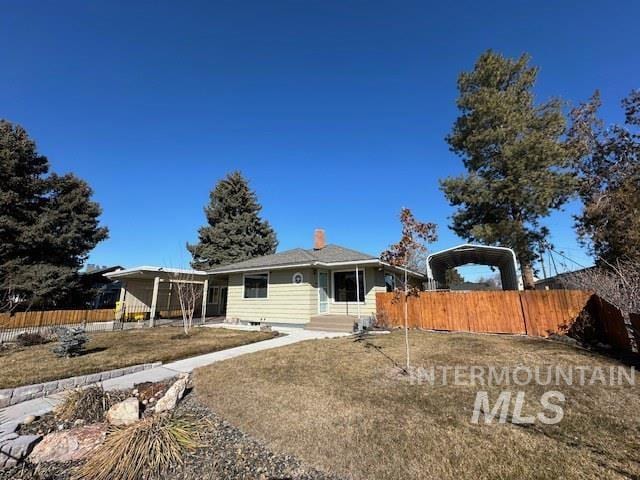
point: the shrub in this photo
(72, 342)
(147, 448)
(30, 339)
(88, 404)
(617, 283)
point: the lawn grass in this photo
(110, 350)
(341, 407)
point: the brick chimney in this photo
(319, 241)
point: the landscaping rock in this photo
(124, 413)
(8, 427)
(148, 390)
(29, 419)
(69, 445)
(13, 447)
(5, 397)
(173, 395)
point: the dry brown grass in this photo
(146, 449)
(338, 406)
(106, 351)
(87, 404)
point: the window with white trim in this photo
(256, 285)
(390, 281)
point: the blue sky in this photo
(336, 111)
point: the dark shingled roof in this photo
(297, 256)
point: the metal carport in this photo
(501, 257)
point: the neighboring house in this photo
(106, 290)
(328, 286)
(561, 281)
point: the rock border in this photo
(13, 396)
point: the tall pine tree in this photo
(515, 156)
(48, 224)
(234, 230)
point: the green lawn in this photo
(110, 350)
(344, 408)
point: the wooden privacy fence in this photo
(609, 325)
(55, 317)
(538, 313)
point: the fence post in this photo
(524, 312)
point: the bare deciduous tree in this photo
(411, 245)
(190, 295)
(9, 299)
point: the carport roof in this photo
(503, 258)
(146, 270)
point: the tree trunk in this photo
(406, 318)
(527, 276)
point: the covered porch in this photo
(152, 293)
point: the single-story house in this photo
(327, 286)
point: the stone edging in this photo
(12, 396)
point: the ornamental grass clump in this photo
(146, 449)
(88, 404)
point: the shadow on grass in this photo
(89, 351)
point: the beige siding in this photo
(138, 295)
(286, 302)
(140, 292)
(290, 303)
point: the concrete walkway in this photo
(40, 406)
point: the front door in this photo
(323, 291)
(223, 300)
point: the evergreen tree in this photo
(515, 156)
(452, 278)
(48, 224)
(234, 230)
(609, 172)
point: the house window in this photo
(390, 282)
(255, 285)
(344, 286)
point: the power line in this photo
(567, 258)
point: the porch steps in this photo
(331, 323)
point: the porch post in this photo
(154, 301)
(205, 291)
(358, 291)
(119, 315)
